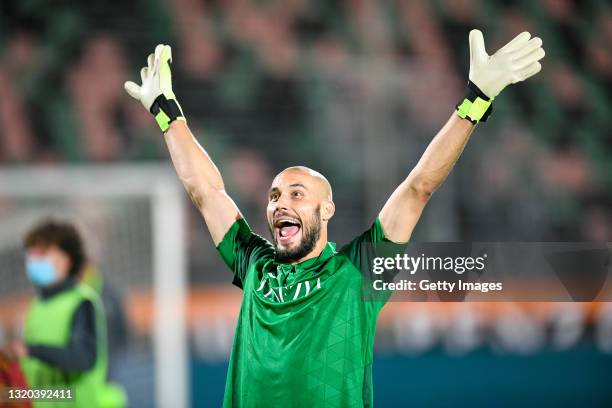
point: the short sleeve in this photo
(241, 247)
(362, 251)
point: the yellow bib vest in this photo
(48, 323)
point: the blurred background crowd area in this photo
(353, 88)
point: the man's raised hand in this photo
(490, 74)
(514, 62)
(156, 93)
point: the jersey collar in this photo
(328, 251)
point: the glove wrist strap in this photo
(166, 111)
(475, 106)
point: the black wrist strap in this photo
(165, 111)
(475, 106)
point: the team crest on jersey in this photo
(279, 287)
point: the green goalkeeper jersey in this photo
(305, 333)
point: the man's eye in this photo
(274, 197)
(297, 194)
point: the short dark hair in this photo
(62, 234)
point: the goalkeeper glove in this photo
(155, 93)
(490, 74)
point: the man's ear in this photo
(328, 210)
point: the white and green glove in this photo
(155, 93)
(490, 74)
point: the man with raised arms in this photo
(305, 334)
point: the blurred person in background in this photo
(289, 341)
(116, 322)
(65, 343)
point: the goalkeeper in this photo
(305, 335)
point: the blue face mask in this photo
(40, 271)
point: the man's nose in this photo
(283, 202)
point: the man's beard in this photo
(310, 235)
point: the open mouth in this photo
(286, 229)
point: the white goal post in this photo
(55, 189)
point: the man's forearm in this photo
(193, 165)
(440, 156)
(202, 180)
(403, 209)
